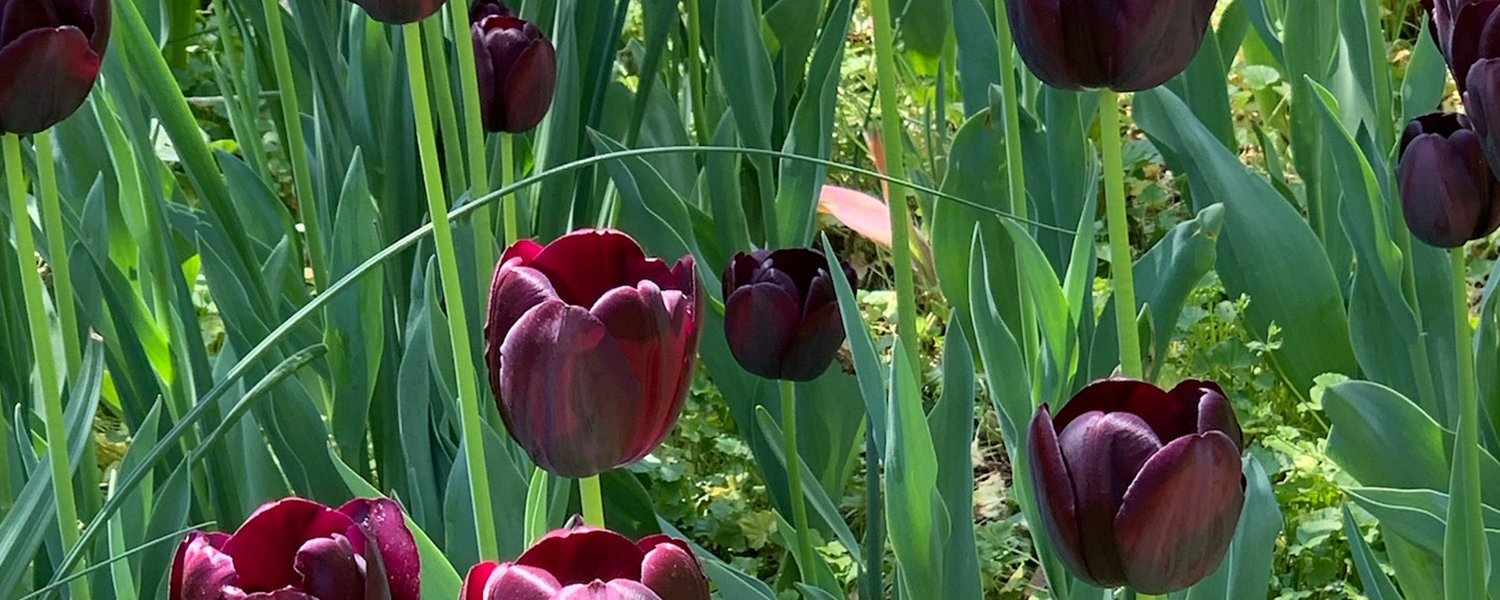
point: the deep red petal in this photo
(619, 589)
(519, 582)
(475, 581)
(200, 571)
(648, 326)
(329, 570)
(399, 12)
(585, 554)
(529, 89)
(671, 571)
(382, 520)
(514, 290)
(265, 547)
(1215, 412)
(1104, 452)
(585, 264)
(759, 321)
(1170, 417)
(45, 74)
(1053, 487)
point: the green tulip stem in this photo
(894, 141)
(442, 231)
(295, 145)
(1121, 264)
(507, 177)
(1465, 553)
(442, 100)
(1140, 596)
(695, 72)
(592, 499)
(1015, 164)
(57, 248)
(479, 173)
(42, 350)
(804, 549)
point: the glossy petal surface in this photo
(1124, 45)
(200, 571)
(329, 570)
(399, 12)
(1104, 452)
(45, 74)
(1054, 491)
(517, 582)
(671, 571)
(584, 554)
(382, 520)
(265, 548)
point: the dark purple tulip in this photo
(1137, 486)
(50, 51)
(1462, 29)
(1448, 194)
(1123, 45)
(517, 68)
(400, 12)
(590, 347)
(577, 563)
(296, 549)
(781, 314)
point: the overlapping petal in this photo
(1124, 45)
(781, 314)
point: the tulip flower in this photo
(584, 563)
(399, 12)
(1448, 194)
(517, 68)
(50, 52)
(1137, 486)
(781, 314)
(590, 347)
(300, 549)
(1123, 45)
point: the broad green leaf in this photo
(952, 424)
(1426, 75)
(978, 62)
(811, 128)
(914, 511)
(355, 334)
(867, 364)
(925, 25)
(1377, 585)
(1373, 427)
(744, 69)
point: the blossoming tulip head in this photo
(400, 12)
(584, 563)
(781, 314)
(1448, 194)
(1123, 45)
(590, 347)
(50, 51)
(296, 548)
(517, 68)
(1139, 486)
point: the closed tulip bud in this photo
(1123, 45)
(590, 347)
(1448, 194)
(50, 52)
(399, 12)
(781, 314)
(578, 563)
(1137, 486)
(296, 548)
(517, 68)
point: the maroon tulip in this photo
(578, 563)
(517, 68)
(1139, 487)
(590, 347)
(50, 51)
(1462, 31)
(1448, 194)
(296, 549)
(781, 314)
(400, 12)
(1123, 45)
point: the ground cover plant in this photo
(749, 299)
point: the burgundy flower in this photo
(1138, 486)
(50, 51)
(590, 347)
(1123, 45)
(295, 549)
(781, 314)
(577, 563)
(1448, 194)
(517, 68)
(400, 12)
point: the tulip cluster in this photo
(584, 563)
(1138, 486)
(50, 52)
(1449, 162)
(1122, 45)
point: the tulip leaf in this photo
(925, 25)
(1049, 305)
(914, 510)
(867, 365)
(439, 580)
(811, 129)
(355, 333)
(977, 170)
(1487, 344)
(814, 495)
(978, 62)
(1426, 75)
(1374, 427)
(1420, 516)
(952, 424)
(1202, 87)
(560, 134)
(1246, 571)
(169, 513)
(1377, 585)
(1263, 241)
(655, 213)
(744, 69)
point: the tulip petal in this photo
(1438, 192)
(1169, 416)
(1156, 41)
(329, 570)
(382, 520)
(671, 571)
(1054, 491)
(619, 589)
(759, 320)
(45, 74)
(478, 580)
(399, 12)
(568, 394)
(1039, 33)
(584, 554)
(514, 290)
(585, 264)
(281, 594)
(1104, 452)
(200, 571)
(650, 327)
(1215, 413)
(814, 344)
(528, 90)
(265, 548)
(1179, 516)
(519, 582)
(1470, 25)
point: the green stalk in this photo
(1465, 553)
(593, 501)
(1014, 159)
(507, 177)
(479, 175)
(296, 144)
(695, 72)
(1121, 264)
(890, 122)
(41, 348)
(442, 99)
(442, 231)
(804, 547)
(57, 248)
